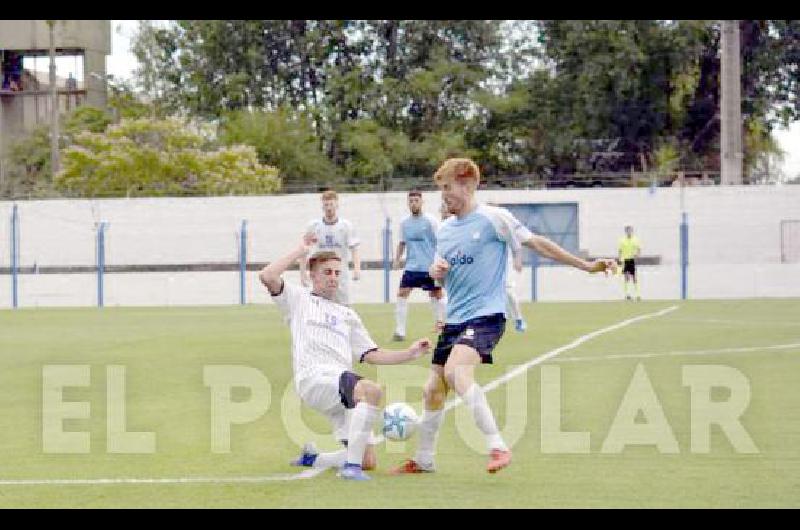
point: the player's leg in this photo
(635, 278)
(472, 348)
(401, 310)
(321, 393)
(435, 393)
(514, 309)
(363, 397)
(438, 303)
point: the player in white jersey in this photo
(515, 311)
(418, 238)
(338, 235)
(471, 255)
(326, 336)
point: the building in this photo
(24, 79)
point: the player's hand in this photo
(439, 269)
(603, 265)
(356, 275)
(420, 348)
(308, 242)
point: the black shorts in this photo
(412, 279)
(629, 267)
(482, 333)
(347, 385)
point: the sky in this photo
(121, 63)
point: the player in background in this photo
(514, 268)
(629, 250)
(326, 336)
(336, 234)
(471, 255)
(418, 239)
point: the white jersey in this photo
(340, 237)
(326, 336)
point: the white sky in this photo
(121, 63)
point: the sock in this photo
(332, 459)
(441, 304)
(626, 287)
(513, 305)
(361, 421)
(401, 314)
(428, 433)
(636, 286)
(475, 399)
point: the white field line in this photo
(316, 471)
(791, 346)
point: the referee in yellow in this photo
(629, 250)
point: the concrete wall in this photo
(734, 248)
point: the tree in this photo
(150, 157)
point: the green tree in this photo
(150, 157)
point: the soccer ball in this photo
(400, 421)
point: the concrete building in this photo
(25, 93)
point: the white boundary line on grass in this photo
(519, 370)
(791, 346)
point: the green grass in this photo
(164, 351)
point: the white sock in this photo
(475, 399)
(513, 304)
(401, 314)
(332, 459)
(428, 433)
(362, 420)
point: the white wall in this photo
(734, 243)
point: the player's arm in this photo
(302, 264)
(552, 250)
(270, 275)
(381, 356)
(401, 246)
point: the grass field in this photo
(164, 351)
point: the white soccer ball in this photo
(400, 421)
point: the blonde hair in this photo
(330, 194)
(457, 168)
(321, 257)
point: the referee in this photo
(629, 250)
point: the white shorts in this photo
(321, 393)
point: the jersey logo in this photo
(461, 259)
(329, 240)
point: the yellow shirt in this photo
(628, 247)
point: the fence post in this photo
(684, 241)
(387, 258)
(101, 260)
(242, 262)
(534, 272)
(14, 255)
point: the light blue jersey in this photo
(418, 232)
(476, 247)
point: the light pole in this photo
(53, 101)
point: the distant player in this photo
(418, 239)
(514, 309)
(514, 268)
(629, 250)
(471, 256)
(338, 235)
(325, 337)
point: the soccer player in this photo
(471, 259)
(514, 268)
(326, 336)
(629, 250)
(338, 235)
(418, 237)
